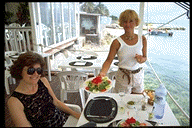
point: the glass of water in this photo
(121, 93)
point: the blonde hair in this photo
(128, 15)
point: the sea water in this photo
(169, 56)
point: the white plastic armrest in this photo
(74, 107)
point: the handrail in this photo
(167, 23)
(169, 93)
(28, 27)
(18, 39)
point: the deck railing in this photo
(18, 39)
(170, 96)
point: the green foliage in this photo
(23, 13)
(7, 17)
(114, 17)
(90, 7)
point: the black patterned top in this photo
(39, 108)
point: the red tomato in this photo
(124, 124)
(87, 88)
(130, 120)
(142, 124)
(97, 80)
(109, 81)
(103, 90)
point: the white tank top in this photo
(126, 54)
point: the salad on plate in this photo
(131, 122)
(98, 84)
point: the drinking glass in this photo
(121, 93)
(82, 55)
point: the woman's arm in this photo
(113, 51)
(16, 110)
(140, 58)
(58, 103)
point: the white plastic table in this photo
(168, 120)
(97, 63)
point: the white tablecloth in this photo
(168, 120)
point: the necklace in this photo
(129, 37)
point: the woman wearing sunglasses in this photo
(33, 103)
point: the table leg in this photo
(48, 68)
(82, 95)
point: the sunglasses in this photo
(31, 71)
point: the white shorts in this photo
(136, 82)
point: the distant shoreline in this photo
(145, 27)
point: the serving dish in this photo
(97, 84)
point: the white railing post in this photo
(19, 39)
(33, 25)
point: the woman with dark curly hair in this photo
(33, 102)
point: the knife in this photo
(102, 98)
(152, 122)
(95, 116)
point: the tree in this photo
(88, 7)
(114, 17)
(101, 9)
(23, 14)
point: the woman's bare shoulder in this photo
(14, 102)
(115, 43)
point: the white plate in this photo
(80, 63)
(123, 120)
(85, 85)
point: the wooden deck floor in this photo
(73, 98)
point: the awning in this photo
(186, 6)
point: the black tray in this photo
(116, 58)
(90, 58)
(86, 64)
(103, 108)
(116, 63)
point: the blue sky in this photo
(158, 12)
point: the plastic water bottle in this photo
(160, 100)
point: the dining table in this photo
(168, 119)
(93, 63)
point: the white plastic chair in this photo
(72, 121)
(71, 81)
(112, 76)
(8, 63)
(9, 53)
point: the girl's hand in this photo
(102, 74)
(140, 59)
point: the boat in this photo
(32, 29)
(161, 33)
